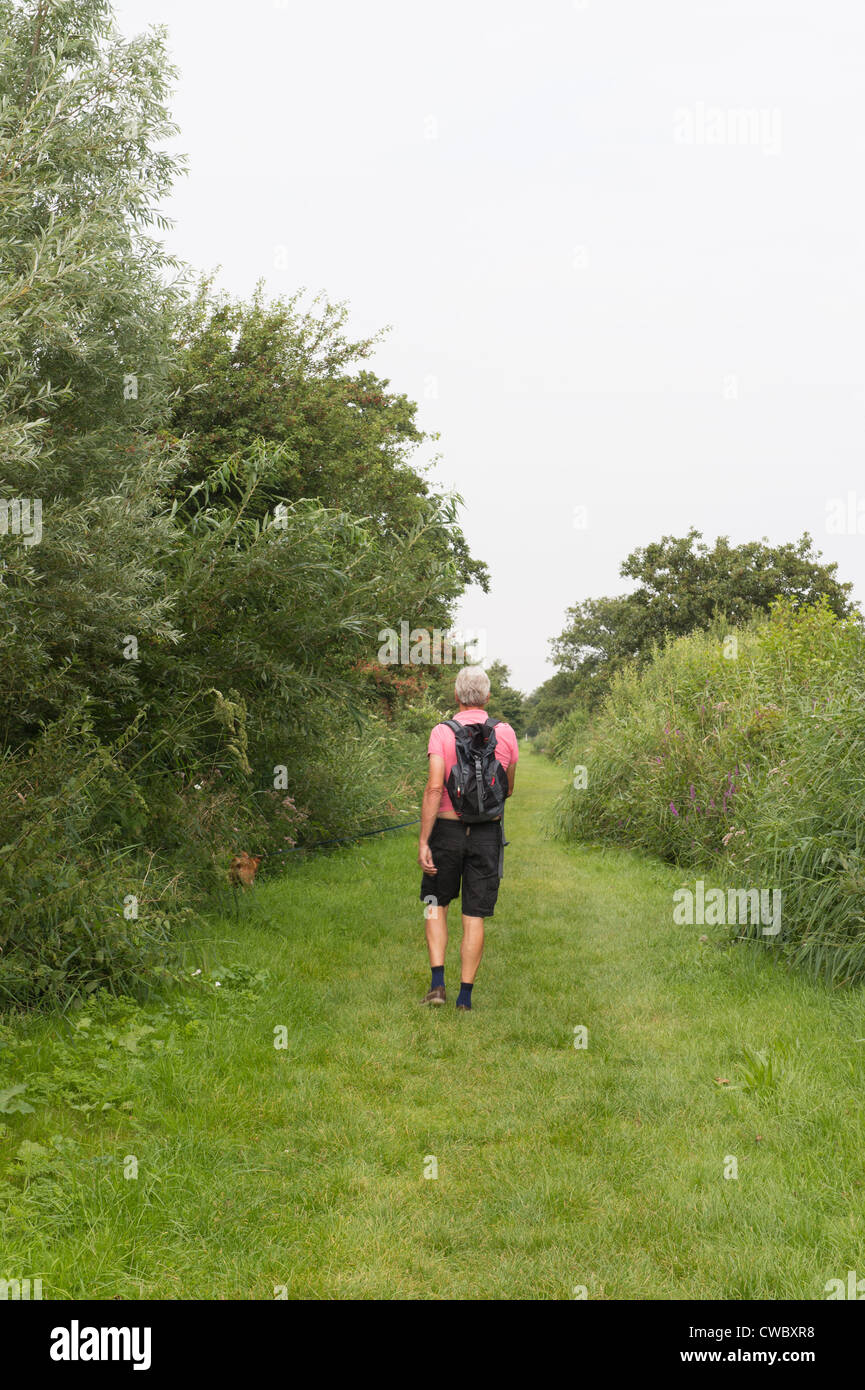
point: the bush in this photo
(743, 751)
(187, 632)
(75, 910)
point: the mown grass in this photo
(303, 1168)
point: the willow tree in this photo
(86, 309)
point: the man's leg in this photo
(471, 950)
(480, 890)
(436, 934)
(436, 939)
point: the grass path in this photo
(303, 1166)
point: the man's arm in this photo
(513, 749)
(429, 810)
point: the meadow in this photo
(270, 1129)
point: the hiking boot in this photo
(464, 1008)
(435, 996)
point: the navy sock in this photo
(438, 977)
(465, 994)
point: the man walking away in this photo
(472, 763)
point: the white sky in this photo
(597, 302)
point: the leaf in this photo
(27, 1150)
(130, 1040)
(10, 1102)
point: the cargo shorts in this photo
(467, 855)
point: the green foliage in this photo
(682, 586)
(758, 1071)
(747, 761)
(85, 308)
(12, 1101)
(288, 375)
(550, 703)
(229, 517)
(505, 701)
(68, 876)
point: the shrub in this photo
(749, 759)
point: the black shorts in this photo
(472, 853)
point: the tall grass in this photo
(742, 752)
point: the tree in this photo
(291, 375)
(550, 703)
(85, 315)
(228, 518)
(684, 585)
(505, 701)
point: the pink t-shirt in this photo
(442, 742)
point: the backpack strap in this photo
(458, 729)
(490, 728)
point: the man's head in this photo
(472, 689)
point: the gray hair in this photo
(472, 686)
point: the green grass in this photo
(557, 1167)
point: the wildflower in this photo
(673, 809)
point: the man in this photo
(452, 849)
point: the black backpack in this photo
(478, 784)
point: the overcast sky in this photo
(620, 246)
